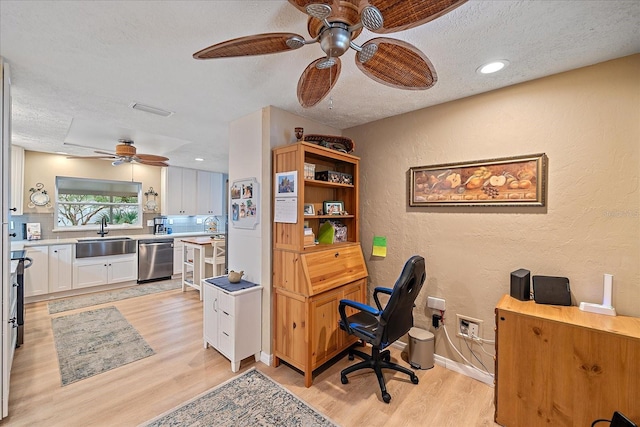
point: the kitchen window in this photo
(82, 203)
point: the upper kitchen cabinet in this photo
(17, 179)
(210, 193)
(179, 191)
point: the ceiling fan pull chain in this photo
(330, 96)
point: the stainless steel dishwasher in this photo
(155, 259)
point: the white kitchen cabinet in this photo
(178, 191)
(210, 193)
(36, 277)
(17, 179)
(232, 322)
(178, 246)
(60, 268)
(105, 270)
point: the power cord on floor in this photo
(471, 365)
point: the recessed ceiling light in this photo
(150, 109)
(198, 159)
(493, 67)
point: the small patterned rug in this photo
(95, 341)
(110, 296)
(250, 399)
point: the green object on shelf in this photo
(326, 233)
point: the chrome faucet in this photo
(103, 225)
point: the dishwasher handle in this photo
(157, 244)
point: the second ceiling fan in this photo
(126, 153)
(335, 24)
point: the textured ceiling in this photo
(85, 62)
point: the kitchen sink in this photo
(101, 239)
(105, 246)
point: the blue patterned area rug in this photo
(110, 296)
(250, 399)
(95, 341)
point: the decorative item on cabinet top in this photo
(39, 196)
(338, 143)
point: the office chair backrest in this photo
(397, 315)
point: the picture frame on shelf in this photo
(333, 207)
(286, 184)
(508, 181)
(309, 209)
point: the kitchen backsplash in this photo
(178, 224)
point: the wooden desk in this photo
(559, 366)
(194, 267)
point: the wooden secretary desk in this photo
(309, 281)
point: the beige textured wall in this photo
(44, 167)
(588, 123)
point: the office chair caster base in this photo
(386, 397)
(351, 357)
(344, 379)
(414, 379)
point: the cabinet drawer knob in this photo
(337, 254)
(294, 325)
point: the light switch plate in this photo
(150, 222)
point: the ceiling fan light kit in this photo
(335, 24)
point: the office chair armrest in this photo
(344, 321)
(358, 306)
(377, 290)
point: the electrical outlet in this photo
(435, 303)
(150, 223)
(468, 327)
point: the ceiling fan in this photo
(126, 153)
(335, 24)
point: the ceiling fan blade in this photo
(144, 162)
(397, 64)
(315, 83)
(105, 153)
(90, 157)
(151, 158)
(259, 44)
(404, 14)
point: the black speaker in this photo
(551, 290)
(520, 288)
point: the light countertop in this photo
(202, 240)
(21, 244)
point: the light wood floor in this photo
(171, 322)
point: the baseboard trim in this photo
(265, 358)
(452, 365)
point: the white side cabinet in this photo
(104, 270)
(232, 322)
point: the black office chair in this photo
(381, 327)
(618, 420)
